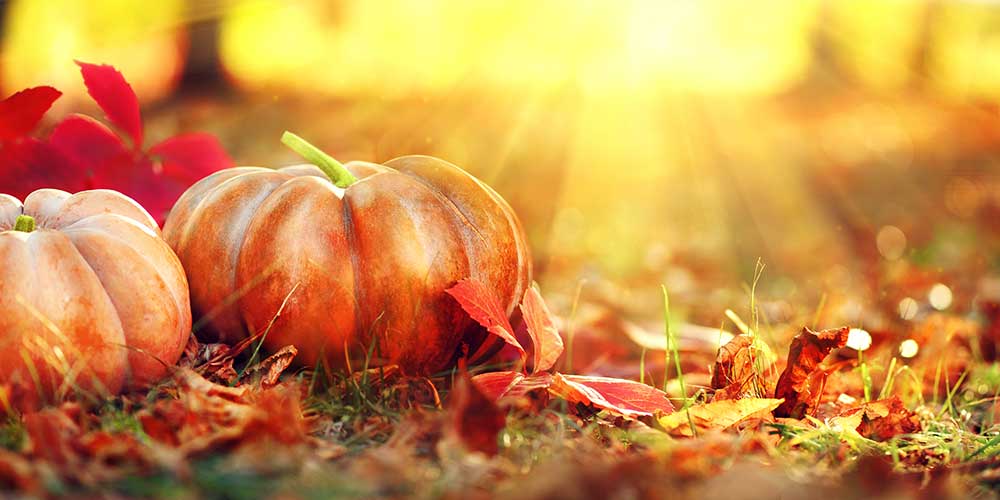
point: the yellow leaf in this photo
(716, 415)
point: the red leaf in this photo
(88, 143)
(500, 385)
(547, 345)
(623, 397)
(31, 164)
(476, 419)
(21, 112)
(495, 385)
(481, 304)
(115, 96)
(190, 157)
(801, 382)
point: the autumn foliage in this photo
(81, 152)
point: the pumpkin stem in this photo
(331, 167)
(24, 223)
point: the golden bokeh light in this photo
(42, 39)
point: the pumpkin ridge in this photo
(176, 225)
(184, 233)
(112, 385)
(178, 299)
(227, 308)
(162, 282)
(514, 229)
(448, 202)
(520, 243)
(352, 244)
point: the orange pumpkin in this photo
(355, 257)
(91, 297)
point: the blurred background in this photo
(851, 146)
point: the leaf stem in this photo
(24, 223)
(333, 169)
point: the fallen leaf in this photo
(481, 304)
(547, 345)
(495, 385)
(513, 388)
(475, 418)
(716, 414)
(626, 398)
(800, 385)
(50, 433)
(880, 420)
(210, 417)
(741, 369)
(17, 472)
(268, 371)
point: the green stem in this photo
(24, 223)
(333, 169)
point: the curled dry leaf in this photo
(208, 416)
(716, 415)
(475, 418)
(741, 369)
(547, 345)
(879, 420)
(482, 305)
(801, 384)
(268, 371)
(626, 398)
(59, 442)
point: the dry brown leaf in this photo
(740, 369)
(800, 385)
(475, 419)
(270, 369)
(880, 420)
(208, 416)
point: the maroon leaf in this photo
(547, 345)
(189, 157)
(627, 398)
(476, 419)
(801, 382)
(21, 112)
(115, 96)
(481, 304)
(30, 164)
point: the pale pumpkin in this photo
(355, 257)
(91, 297)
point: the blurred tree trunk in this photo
(202, 70)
